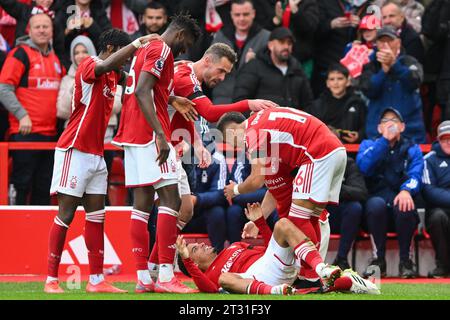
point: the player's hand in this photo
(203, 155)
(253, 211)
(260, 104)
(250, 231)
(181, 246)
(185, 107)
(149, 38)
(228, 191)
(404, 201)
(163, 148)
(25, 125)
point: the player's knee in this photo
(282, 225)
(66, 216)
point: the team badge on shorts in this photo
(173, 166)
(73, 182)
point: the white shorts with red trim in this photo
(141, 168)
(320, 180)
(183, 182)
(278, 265)
(76, 173)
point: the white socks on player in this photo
(165, 272)
(50, 279)
(144, 276)
(319, 269)
(96, 279)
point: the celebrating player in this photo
(150, 162)
(80, 174)
(189, 76)
(284, 142)
(269, 269)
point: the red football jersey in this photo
(92, 103)
(236, 258)
(186, 84)
(289, 136)
(156, 58)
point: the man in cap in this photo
(393, 167)
(436, 192)
(393, 79)
(275, 74)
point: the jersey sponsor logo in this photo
(73, 182)
(107, 92)
(47, 84)
(274, 182)
(227, 266)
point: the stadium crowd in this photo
(377, 73)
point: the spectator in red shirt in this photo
(29, 84)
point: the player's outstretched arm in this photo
(253, 182)
(144, 97)
(118, 58)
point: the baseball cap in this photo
(387, 31)
(443, 129)
(370, 22)
(281, 33)
(397, 113)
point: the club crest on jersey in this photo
(159, 64)
(107, 92)
(73, 182)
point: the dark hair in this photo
(182, 267)
(230, 117)
(242, 2)
(337, 67)
(220, 50)
(186, 23)
(156, 6)
(113, 37)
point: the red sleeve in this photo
(203, 283)
(88, 70)
(257, 142)
(212, 113)
(264, 230)
(155, 56)
(13, 68)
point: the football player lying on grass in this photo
(270, 269)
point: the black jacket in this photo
(261, 79)
(347, 113)
(353, 185)
(436, 27)
(412, 43)
(304, 24)
(331, 43)
(100, 24)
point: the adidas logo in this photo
(352, 109)
(78, 248)
(443, 164)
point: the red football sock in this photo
(56, 241)
(154, 255)
(139, 238)
(258, 287)
(306, 251)
(94, 238)
(166, 229)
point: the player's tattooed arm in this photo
(144, 97)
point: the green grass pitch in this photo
(391, 291)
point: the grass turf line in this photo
(393, 291)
